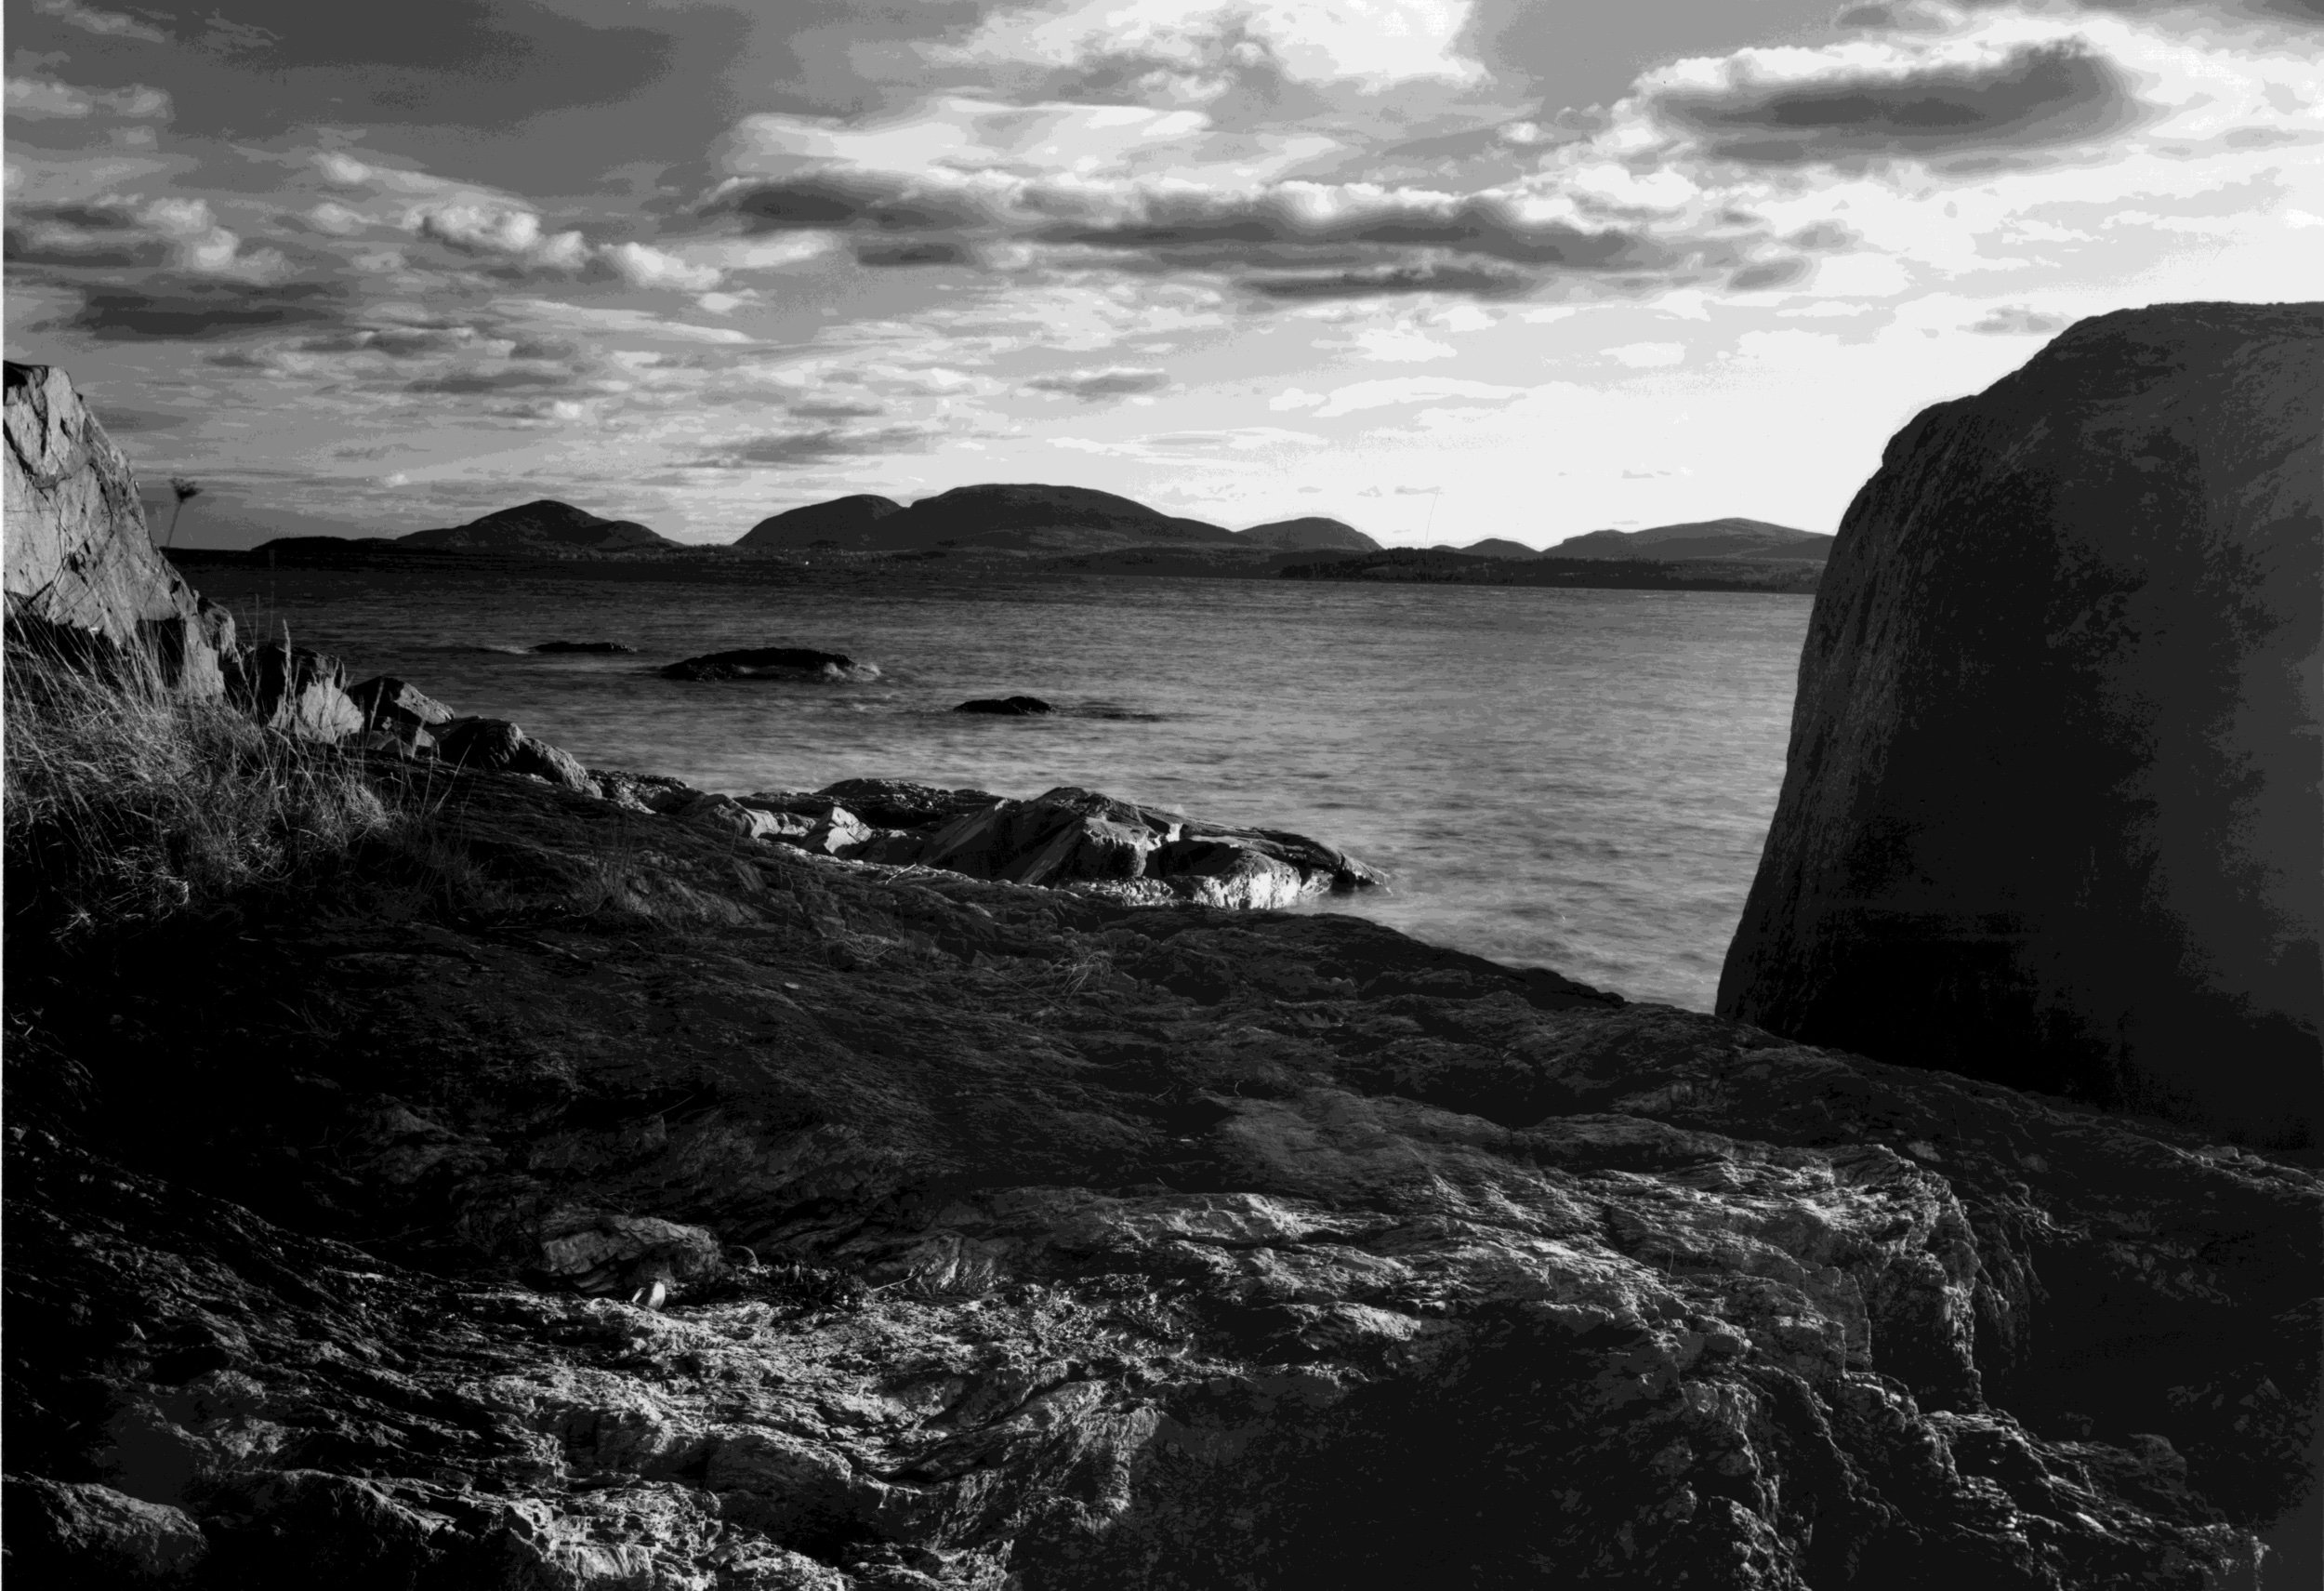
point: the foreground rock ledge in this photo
(1013, 1237)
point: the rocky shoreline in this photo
(582, 1181)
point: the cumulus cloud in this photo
(136, 234)
(1848, 105)
(644, 266)
(1095, 386)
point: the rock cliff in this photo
(81, 568)
(2052, 813)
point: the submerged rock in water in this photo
(770, 663)
(583, 646)
(1007, 707)
(2051, 815)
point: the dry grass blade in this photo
(126, 801)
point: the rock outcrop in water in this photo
(770, 663)
(82, 572)
(1007, 707)
(2052, 815)
(1005, 1237)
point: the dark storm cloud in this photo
(1095, 386)
(201, 311)
(2034, 96)
(836, 201)
(815, 443)
(1384, 281)
(510, 380)
(883, 253)
(1229, 222)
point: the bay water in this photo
(1577, 779)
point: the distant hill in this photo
(545, 527)
(1303, 534)
(1025, 517)
(1498, 547)
(1706, 538)
(846, 521)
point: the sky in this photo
(1440, 269)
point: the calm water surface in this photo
(1569, 779)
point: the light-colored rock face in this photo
(2051, 815)
(79, 558)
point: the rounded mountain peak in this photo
(846, 521)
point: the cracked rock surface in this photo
(1013, 1237)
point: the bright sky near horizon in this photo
(1442, 269)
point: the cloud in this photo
(1398, 345)
(1402, 390)
(105, 24)
(43, 98)
(482, 227)
(2017, 321)
(1849, 105)
(200, 312)
(1095, 386)
(1647, 355)
(127, 233)
(1195, 50)
(814, 444)
(641, 265)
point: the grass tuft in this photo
(124, 802)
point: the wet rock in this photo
(899, 803)
(1064, 836)
(644, 793)
(1007, 707)
(399, 708)
(2051, 815)
(770, 663)
(83, 576)
(499, 746)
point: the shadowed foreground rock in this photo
(1013, 1238)
(2052, 812)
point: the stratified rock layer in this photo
(2051, 814)
(1010, 1239)
(82, 570)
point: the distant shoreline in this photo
(719, 565)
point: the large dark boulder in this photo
(2051, 815)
